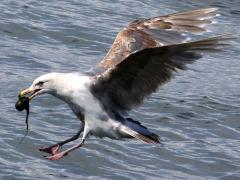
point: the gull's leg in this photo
(64, 153)
(55, 148)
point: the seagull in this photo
(145, 55)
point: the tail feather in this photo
(138, 131)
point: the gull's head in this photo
(47, 83)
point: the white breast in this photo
(76, 92)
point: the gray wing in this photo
(127, 84)
(156, 32)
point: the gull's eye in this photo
(40, 83)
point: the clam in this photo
(23, 104)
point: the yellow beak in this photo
(26, 92)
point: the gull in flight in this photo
(145, 55)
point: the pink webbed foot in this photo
(56, 156)
(51, 149)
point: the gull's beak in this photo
(29, 91)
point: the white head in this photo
(47, 83)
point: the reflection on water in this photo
(196, 115)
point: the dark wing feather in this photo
(140, 74)
(156, 32)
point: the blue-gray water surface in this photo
(196, 114)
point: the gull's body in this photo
(74, 89)
(144, 55)
(77, 95)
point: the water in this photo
(196, 114)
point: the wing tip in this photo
(194, 21)
(206, 10)
(152, 139)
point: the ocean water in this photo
(197, 114)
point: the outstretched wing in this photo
(156, 32)
(140, 74)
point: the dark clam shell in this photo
(22, 103)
